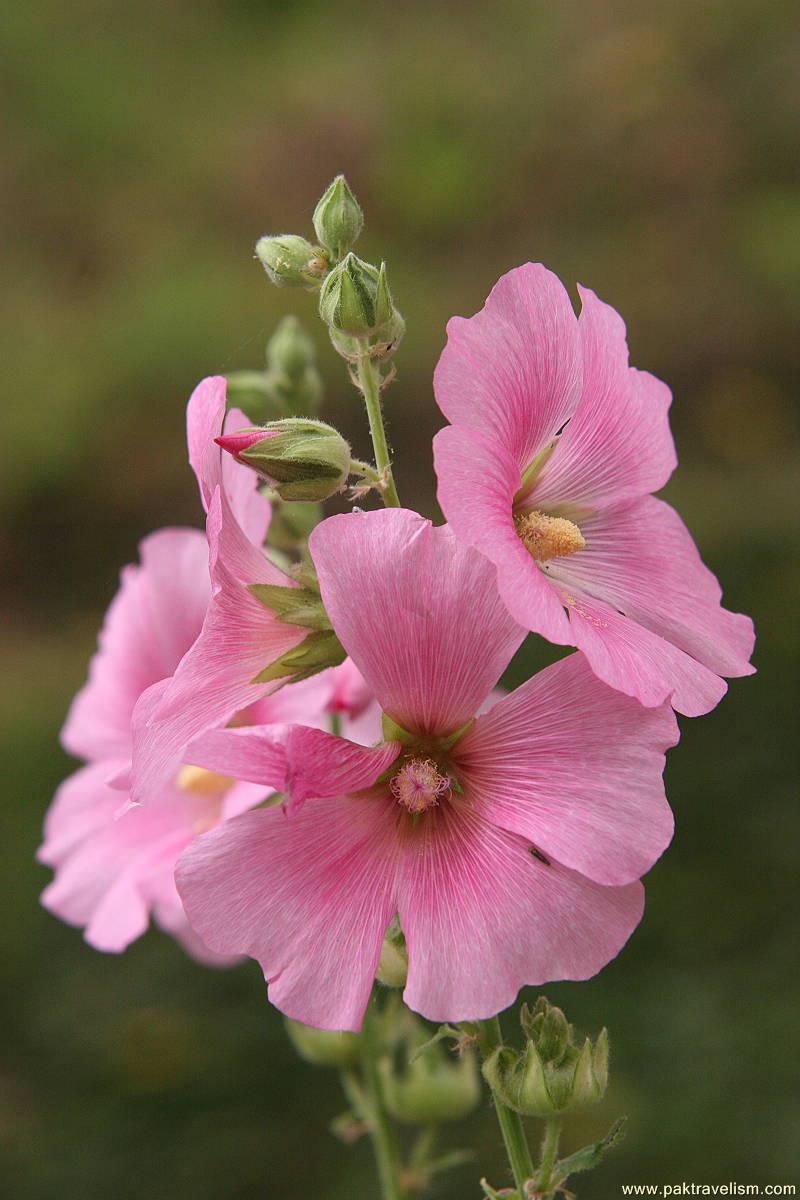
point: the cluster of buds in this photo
(552, 1075)
(290, 385)
(290, 260)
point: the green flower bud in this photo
(355, 300)
(393, 965)
(249, 390)
(552, 1075)
(302, 459)
(338, 219)
(290, 351)
(433, 1086)
(291, 261)
(291, 525)
(323, 1047)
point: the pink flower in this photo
(113, 871)
(554, 447)
(508, 845)
(114, 864)
(239, 637)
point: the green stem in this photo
(544, 1177)
(383, 1140)
(519, 1156)
(369, 382)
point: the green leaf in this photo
(590, 1156)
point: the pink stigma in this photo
(418, 786)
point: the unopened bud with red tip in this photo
(301, 459)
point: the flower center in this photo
(201, 782)
(548, 537)
(418, 785)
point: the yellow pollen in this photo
(202, 782)
(418, 786)
(548, 537)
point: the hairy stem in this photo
(519, 1155)
(544, 1177)
(369, 383)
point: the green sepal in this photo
(392, 732)
(451, 739)
(320, 650)
(292, 605)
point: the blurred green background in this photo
(646, 149)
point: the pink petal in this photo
(304, 703)
(477, 482)
(107, 868)
(151, 623)
(205, 418)
(240, 637)
(640, 559)
(249, 505)
(254, 753)
(322, 765)
(617, 444)
(310, 896)
(576, 768)
(513, 371)
(631, 659)
(205, 414)
(482, 918)
(417, 611)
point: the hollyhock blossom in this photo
(113, 871)
(239, 637)
(554, 447)
(509, 845)
(114, 863)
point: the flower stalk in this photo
(376, 1116)
(368, 377)
(519, 1156)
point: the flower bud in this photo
(432, 1086)
(301, 459)
(338, 219)
(291, 261)
(355, 300)
(393, 964)
(323, 1047)
(552, 1075)
(290, 350)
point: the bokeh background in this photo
(646, 149)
